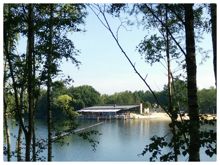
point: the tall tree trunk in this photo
(35, 97)
(8, 37)
(214, 38)
(194, 145)
(169, 85)
(49, 81)
(34, 137)
(30, 81)
(34, 143)
(6, 128)
(18, 145)
(7, 132)
(19, 138)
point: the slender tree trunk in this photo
(169, 85)
(194, 146)
(19, 140)
(6, 128)
(34, 138)
(14, 84)
(7, 132)
(35, 97)
(214, 38)
(18, 145)
(49, 81)
(30, 81)
(7, 52)
(34, 143)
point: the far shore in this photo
(154, 115)
(165, 116)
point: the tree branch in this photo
(171, 35)
(130, 62)
(177, 15)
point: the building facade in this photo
(110, 111)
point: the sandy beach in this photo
(164, 116)
(155, 115)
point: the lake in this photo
(121, 140)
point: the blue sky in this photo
(106, 69)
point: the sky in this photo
(106, 69)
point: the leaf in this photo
(184, 153)
(209, 153)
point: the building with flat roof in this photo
(110, 111)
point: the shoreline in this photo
(154, 115)
(164, 116)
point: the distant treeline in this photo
(69, 99)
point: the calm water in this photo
(121, 140)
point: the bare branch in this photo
(97, 14)
(146, 77)
(133, 66)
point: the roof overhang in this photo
(99, 110)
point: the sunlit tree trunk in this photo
(19, 138)
(6, 128)
(194, 145)
(214, 37)
(7, 132)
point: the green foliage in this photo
(128, 97)
(155, 148)
(41, 105)
(63, 102)
(158, 144)
(66, 18)
(179, 95)
(208, 134)
(152, 48)
(87, 95)
(121, 98)
(58, 88)
(115, 8)
(207, 100)
(66, 101)
(77, 104)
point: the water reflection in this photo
(121, 140)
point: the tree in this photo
(49, 81)
(180, 15)
(207, 101)
(30, 81)
(214, 37)
(194, 145)
(11, 30)
(100, 12)
(32, 22)
(64, 102)
(87, 94)
(191, 73)
(6, 128)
